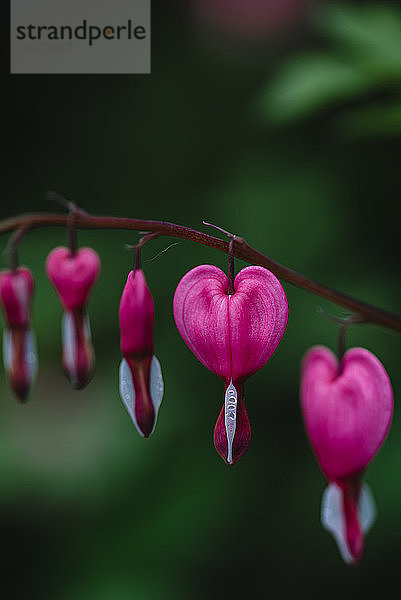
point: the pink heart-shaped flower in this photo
(73, 276)
(347, 409)
(348, 412)
(16, 291)
(232, 335)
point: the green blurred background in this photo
(289, 136)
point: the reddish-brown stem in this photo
(231, 266)
(13, 247)
(72, 234)
(146, 238)
(241, 250)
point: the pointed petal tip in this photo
(230, 462)
(78, 385)
(143, 413)
(22, 395)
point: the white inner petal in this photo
(69, 342)
(87, 329)
(156, 385)
(333, 519)
(31, 356)
(230, 418)
(367, 508)
(127, 392)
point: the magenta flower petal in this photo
(202, 318)
(73, 275)
(232, 335)
(136, 317)
(16, 291)
(258, 318)
(347, 415)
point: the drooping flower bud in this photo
(73, 275)
(347, 410)
(233, 336)
(141, 382)
(19, 347)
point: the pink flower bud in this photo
(16, 291)
(141, 382)
(73, 276)
(233, 336)
(19, 348)
(347, 410)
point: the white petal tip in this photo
(156, 386)
(127, 392)
(30, 352)
(332, 515)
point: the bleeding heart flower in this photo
(141, 381)
(73, 275)
(19, 348)
(347, 409)
(233, 336)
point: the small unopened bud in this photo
(19, 348)
(141, 382)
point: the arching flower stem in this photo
(241, 250)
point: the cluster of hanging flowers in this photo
(232, 326)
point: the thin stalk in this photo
(242, 250)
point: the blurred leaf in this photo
(364, 56)
(371, 122)
(372, 34)
(310, 83)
